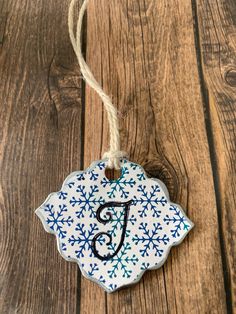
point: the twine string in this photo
(114, 154)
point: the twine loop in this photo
(114, 154)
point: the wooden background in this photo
(170, 66)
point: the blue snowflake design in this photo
(62, 195)
(177, 219)
(145, 266)
(117, 221)
(84, 239)
(112, 287)
(149, 200)
(102, 280)
(70, 184)
(93, 175)
(121, 261)
(63, 247)
(141, 176)
(153, 223)
(119, 186)
(93, 268)
(150, 239)
(86, 201)
(56, 220)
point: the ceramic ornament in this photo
(114, 230)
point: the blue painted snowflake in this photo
(150, 239)
(86, 201)
(84, 239)
(149, 200)
(121, 262)
(93, 268)
(62, 195)
(115, 230)
(119, 186)
(177, 220)
(145, 266)
(56, 220)
(118, 219)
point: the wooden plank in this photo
(3, 19)
(217, 35)
(144, 54)
(40, 96)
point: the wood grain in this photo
(40, 116)
(170, 67)
(217, 36)
(142, 53)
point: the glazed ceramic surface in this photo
(114, 230)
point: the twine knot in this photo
(114, 158)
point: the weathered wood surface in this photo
(170, 67)
(40, 144)
(217, 30)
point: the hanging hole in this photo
(113, 174)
